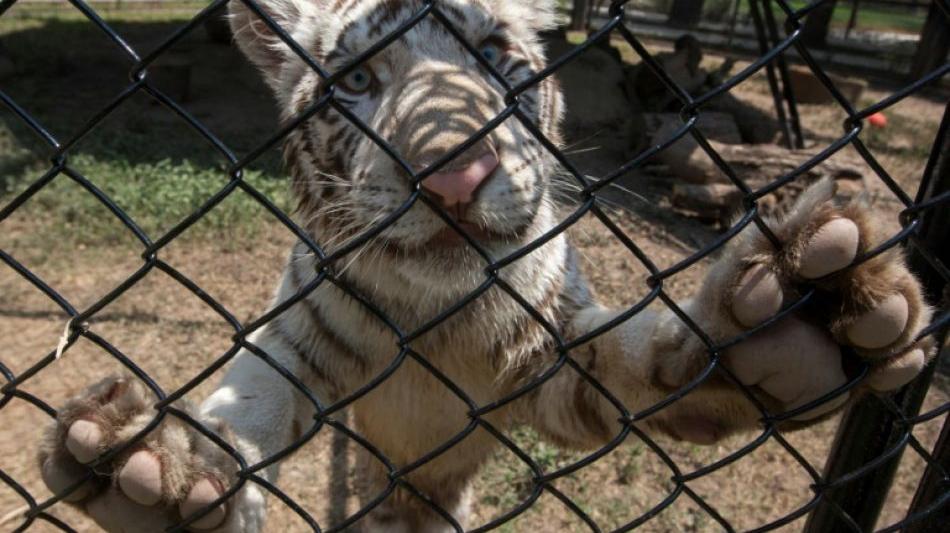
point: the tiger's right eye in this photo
(358, 81)
(491, 52)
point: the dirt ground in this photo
(172, 335)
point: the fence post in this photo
(579, 15)
(867, 431)
(787, 91)
(934, 484)
(764, 46)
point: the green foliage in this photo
(870, 17)
(156, 195)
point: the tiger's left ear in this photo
(261, 44)
(539, 15)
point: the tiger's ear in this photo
(538, 15)
(261, 44)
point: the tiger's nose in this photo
(458, 185)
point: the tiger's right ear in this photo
(261, 44)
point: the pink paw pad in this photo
(141, 478)
(697, 429)
(83, 439)
(882, 325)
(758, 296)
(821, 409)
(113, 511)
(205, 491)
(898, 372)
(60, 476)
(833, 247)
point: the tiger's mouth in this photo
(449, 237)
(449, 240)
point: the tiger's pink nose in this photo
(459, 185)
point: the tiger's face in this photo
(425, 95)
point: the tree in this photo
(580, 15)
(815, 31)
(934, 43)
(686, 13)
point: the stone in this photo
(808, 89)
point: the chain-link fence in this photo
(846, 497)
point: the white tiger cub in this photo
(425, 95)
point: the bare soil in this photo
(173, 336)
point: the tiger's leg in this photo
(876, 308)
(174, 472)
(404, 512)
(441, 486)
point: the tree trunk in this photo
(686, 13)
(934, 43)
(815, 31)
(579, 15)
(7, 67)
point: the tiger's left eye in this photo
(358, 81)
(492, 52)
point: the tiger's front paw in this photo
(875, 307)
(171, 474)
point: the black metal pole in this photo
(853, 19)
(868, 430)
(935, 483)
(770, 71)
(933, 486)
(787, 92)
(733, 20)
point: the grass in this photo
(870, 17)
(873, 18)
(156, 190)
(155, 195)
(881, 18)
(148, 161)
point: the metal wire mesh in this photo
(916, 210)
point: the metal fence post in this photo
(935, 484)
(787, 92)
(764, 47)
(868, 431)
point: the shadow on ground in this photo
(67, 71)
